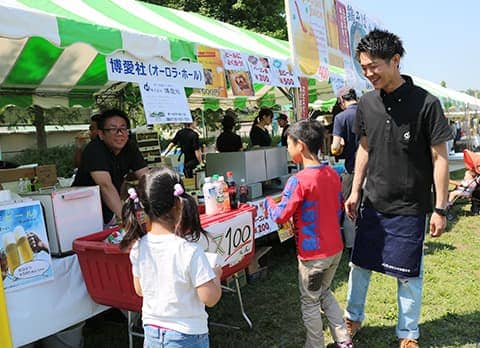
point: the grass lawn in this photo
(450, 312)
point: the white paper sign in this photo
(123, 67)
(164, 103)
(260, 69)
(234, 238)
(263, 224)
(233, 60)
(283, 74)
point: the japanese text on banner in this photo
(122, 67)
(233, 60)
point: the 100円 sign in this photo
(233, 238)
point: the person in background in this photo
(107, 159)
(259, 135)
(313, 198)
(402, 152)
(189, 143)
(344, 145)
(80, 142)
(282, 121)
(228, 141)
(171, 274)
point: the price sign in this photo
(263, 224)
(233, 238)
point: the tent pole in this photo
(5, 336)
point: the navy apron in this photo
(390, 244)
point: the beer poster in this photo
(24, 252)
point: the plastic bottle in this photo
(218, 192)
(226, 198)
(232, 191)
(210, 196)
(28, 185)
(243, 191)
(20, 186)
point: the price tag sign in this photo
(233, 238)
(263, 224)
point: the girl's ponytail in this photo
(129, 217)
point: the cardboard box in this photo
(47, 175)
(242, 279)
(8, 175)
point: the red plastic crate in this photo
(107, 270)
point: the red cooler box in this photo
(107, 269)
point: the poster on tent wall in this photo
(307, 35)
(283, 74)
(233, 60)
(215, 80)
(24, 252)
(335, 56)
(358, 24)
(241, 83)
(164, 103)
(125, 68)
(260, 69)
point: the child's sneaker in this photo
(352, 327)
(346, 344)
(408, 343)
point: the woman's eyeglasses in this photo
(115, 130)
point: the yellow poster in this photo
(215, 83)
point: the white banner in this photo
(284, 74)
(125, 68)
(164, 103)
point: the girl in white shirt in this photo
(173, 275)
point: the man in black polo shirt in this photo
(189, 143)
(107, 159)
(402, 152)
(344, 146)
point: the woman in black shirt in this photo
(228, 141)
(259, 135)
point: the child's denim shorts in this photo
(156, 337)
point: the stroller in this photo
(468, 190)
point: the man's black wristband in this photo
(440, 211)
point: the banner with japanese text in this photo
(233, 60)
(307, 35)
(358, 24)
(125, 68)
(284, 75)
(164, 103)
(215, 80)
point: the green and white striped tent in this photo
(52, 52)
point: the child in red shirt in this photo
(313, 198)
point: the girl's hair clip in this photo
(132, 194)
(178, 190)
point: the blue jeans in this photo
(409, 298)
(155, 337)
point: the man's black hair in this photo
(350, 95)
(111, 113)
(380, 44)
(309, 132)
(228, 122)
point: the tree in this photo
(266, 17)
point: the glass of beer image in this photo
(23, 246)
(13, 259)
